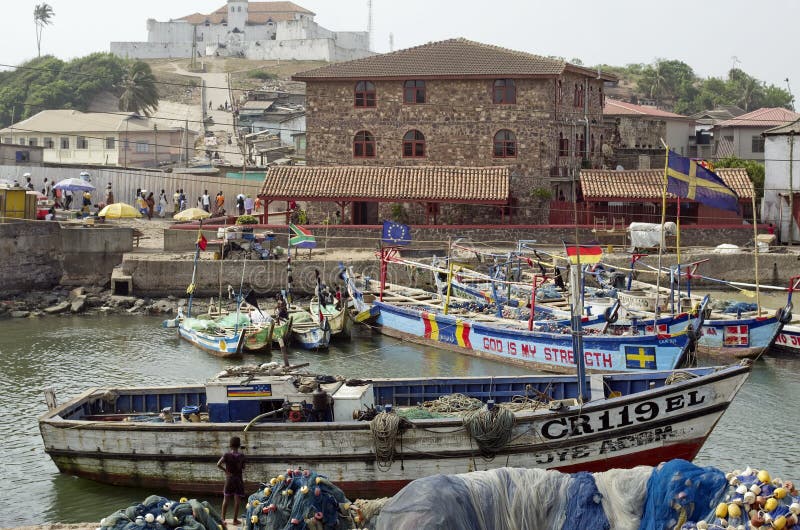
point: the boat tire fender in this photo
(295, 416)
(784, 315)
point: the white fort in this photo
(254, 30)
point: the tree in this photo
(42, 16)
(138, 90)
(755, 171)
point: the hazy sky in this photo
(706, 34)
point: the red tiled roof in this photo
(649, 183)
(615, 107)
(257, 13)
(388, 184)
(447, 59)
(762, 118)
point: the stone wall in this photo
(90, 254)
(30, 256)
(459, 122)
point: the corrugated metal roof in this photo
(615, 107)
(649, 183)
(389, 184)
(73, 121)
(762, 118)
(446, 59)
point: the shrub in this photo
(246, 220)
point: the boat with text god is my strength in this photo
(407, 428)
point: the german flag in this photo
(587, 253)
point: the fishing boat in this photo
(170, 438)
(362, 311)
(789, 339)
(335, 317)
(307, 333)
(219, 341)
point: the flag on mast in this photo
(301, 237)
(588, 253)
(689, 179)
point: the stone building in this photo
(254, 30)
(459, 103)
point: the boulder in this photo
(122, 301)
(58, 308)
(20, 314)
(79, 304)
(77, 292)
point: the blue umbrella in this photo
(73, 184)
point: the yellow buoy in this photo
(734, 511)
(254, 519)
(763, 476)
(780, 493)
(722, 510)
(304, 490)
(267, 492)
(779, 523)
(255, 503)
(184, 499)
(281, 478)
(771, 504)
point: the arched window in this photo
(563, 145)
(414, 92)
(364, 145)
(365, 94)
(505, 144)
(504, 92)
(414, 144)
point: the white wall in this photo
(94, 154)
(151, 50)
(284, 130)
(678, 133)
(777, 180)
(177, 31)
(743, 142)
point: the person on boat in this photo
(281, 311)
(338, 297)
(232, 463)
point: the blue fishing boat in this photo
(535, 349)
(309, 334)
(219, 341)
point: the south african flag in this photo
(301, 237)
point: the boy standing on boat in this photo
(232, 463)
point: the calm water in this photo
(75, 353)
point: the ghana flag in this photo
(301, 237)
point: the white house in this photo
(741, 136)
(100, 138)
(781, 203)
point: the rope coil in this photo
(491, 429)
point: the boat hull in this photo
(314, 338)
(643, 428)
(225, 346)
(740, 338)
(537, 350)
(789, 339)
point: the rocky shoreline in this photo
(90, 300)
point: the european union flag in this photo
(396, 233)
(640, 357)
(689, 180)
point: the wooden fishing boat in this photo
(307, 333)
(114, 436)
(789, 338)
(336, 318)
(221, 342)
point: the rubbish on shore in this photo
(159, 513)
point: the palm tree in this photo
(139, 93)
(42, 16)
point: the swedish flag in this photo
(688, 179)
(640, 357)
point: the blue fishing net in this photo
(681, 491)
(298, 500)
(160, 513)
(739, 307)
(584, 504)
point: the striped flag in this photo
(301, 237)
(588, 253)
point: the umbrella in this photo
(192, 214)
(119, 210)
(74, 184)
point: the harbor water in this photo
(72, 354)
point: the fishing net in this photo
(160, 513)
(298, 500)
(232, 320)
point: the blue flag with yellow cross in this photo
(687, 179)
(640, 357)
